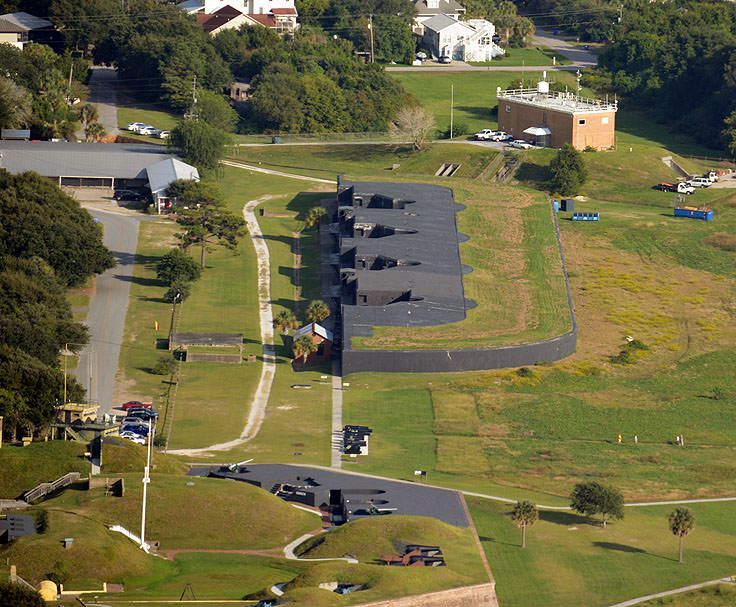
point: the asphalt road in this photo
(103, 93)
(580, 57)
(107, 309)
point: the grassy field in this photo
(569, 561)
(378, 160)
(368, 540)
(159, 119)
(532, 56)
(25, 467)
(475, 93)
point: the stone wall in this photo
(481, 595)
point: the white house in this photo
(426, 9)
(160, 176)
(470, 40)
(218, 15)
(19, 28)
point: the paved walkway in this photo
(649, 597)
(263, 391)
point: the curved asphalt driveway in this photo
(103, 92)
(108, 307)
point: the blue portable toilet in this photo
(557, 32)
(557, 205)
(587, 47)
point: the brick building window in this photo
(508, 108)
(581, 121)
(604, 120)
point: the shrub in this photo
(165, 366)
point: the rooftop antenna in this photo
(577, 77)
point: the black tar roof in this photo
(407, 498)
(425, 238)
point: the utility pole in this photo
(173, 310)
(194, 90)
(452, 106)
(370, 29)
(146, 480)
(69, 86)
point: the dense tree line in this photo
(512, 27)
(35, 91)
(678, 60)
(311, 83)
(47, 243)
(589, 20)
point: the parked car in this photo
(484, 135)
(501, 136)
(699, 182)
(147, 129)
(164, 134)
(144, 414)
(445, 59)
(521, 144)
(135, 403)
(712, 176)
(127, 195)
(132, 436)
(134, 126)
(680, 188)
(139, 429)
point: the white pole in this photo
(452, 106)
(146, 480)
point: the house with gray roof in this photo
(101, 165)
(19, 28)
(426, 9)
(470, 40)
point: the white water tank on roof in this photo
(543, 87)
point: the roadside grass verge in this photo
(570, 561)
(25, 467)
(516, 280)
(531, 56)
(720, 595)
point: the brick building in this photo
(552, 119)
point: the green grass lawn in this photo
(368, 540)
(531, 56)
(378, 161)
(159, 119)
(25, 467)
(569, 561)
(475, 93)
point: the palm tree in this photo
(284, 321)
(317, 311)
(314, 217)
(88, 114)
(303, 346)
(95, 131)
(524, 513)
(682, 522)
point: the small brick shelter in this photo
(321, 337)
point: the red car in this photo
(135, 403)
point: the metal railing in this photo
(558, 99)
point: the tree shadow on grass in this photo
(563, 518)
(304, 201)
(630, 549)
(484, 538)
(533, 173)
(619, 547)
